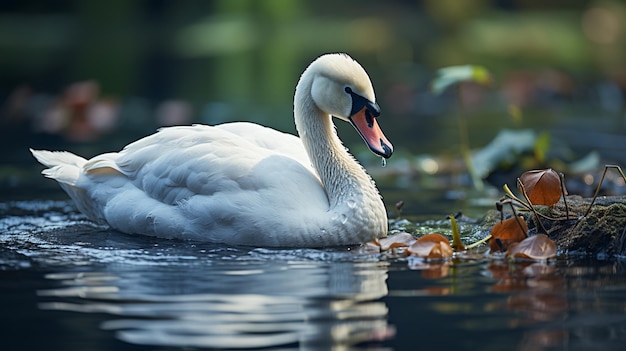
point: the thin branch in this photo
(478, 243)
(595, 195)
(518, 201)
(562, 179)
(523, 189)
(464, 140)
(516, 216)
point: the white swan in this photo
(242, 183)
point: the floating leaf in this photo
(455, 74)
(536, 247)
(431, 246)
(543, 187)
(369, 247)
(401, 239)
(434, 237)
(506, 232)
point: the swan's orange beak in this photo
(365, 123)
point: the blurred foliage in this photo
(448, 76)
(253, 51)
(556, 66)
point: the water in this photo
(66, 284)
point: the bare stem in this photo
(478, 243)
(512, 196)
(464, 141)
(510, 203)
(562, 179)
(595, 195)
(523, 189)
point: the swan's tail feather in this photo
(63, 166)
(54, 158)
(66, 168)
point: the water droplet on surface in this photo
(383, 162)
(351, 203)
(344, 219)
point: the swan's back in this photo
(205, 159)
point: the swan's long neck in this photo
(341, 175)
(351, 191)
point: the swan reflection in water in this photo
(251, 301)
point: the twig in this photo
(515, 215)
(606, 168)
(478, 243)
(523, 189)
(562, 179)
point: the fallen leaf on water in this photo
(543, 187)
(431, 246)
(370, 247)
(536, 247)
(506, 232)
(401, 239)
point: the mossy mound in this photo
(601, 232)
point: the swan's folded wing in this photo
(103, 165)
(180, 162)
(271, 140)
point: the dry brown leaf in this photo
(431, 246)
(536, 247)
(434, 237)
(401, 239)
(506, 232)
(543, 187)
(369, 247)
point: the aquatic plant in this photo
(455, 75)
(510, 236)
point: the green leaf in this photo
(456, 235)
(542, 146)
(448, 76)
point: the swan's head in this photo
(342, 88)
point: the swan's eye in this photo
(348, 90)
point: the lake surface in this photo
(66, 284)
